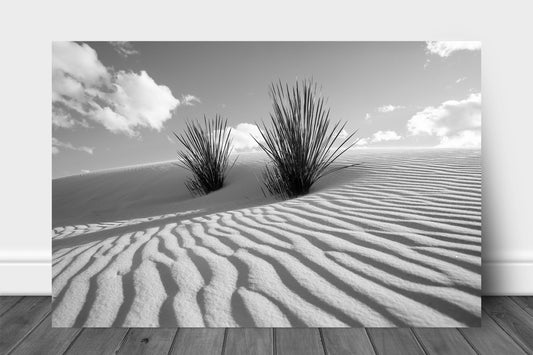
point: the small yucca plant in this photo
(206, 155)
(300, 140)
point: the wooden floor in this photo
(25, 328)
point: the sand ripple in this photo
(394, 242)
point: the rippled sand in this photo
(393, 242)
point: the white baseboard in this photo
(25, 278)
(507, 278)
(25, 272)
(34, 278)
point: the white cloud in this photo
(464, 139)
(57, 145)
(362, 141)
(446, 48)
(384, 136)
(460, 80)
(111, 120)
(64, 87)
(367, 117)
(140, 101)
(343, 134)
(379, 136)
(78, 62)
(457, 123)
(125, 49)
(243, 137)
(85, 171)
(189, 100)
(389, 108)
(121, 101)
(62, 119)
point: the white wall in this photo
(28, 27)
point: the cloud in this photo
(389, 108)
(464, 139)
(343, 134)
(446, 48)
(367, 117)
(379, 136)
(62, 119)
(125, 49)
(120, 101)
(140, 101)
(57, 145)
(189, 100)
(362, 141)
(243, 137)
(384, 136)
(85, 171)
(456, 122)
(460, 80)
(79, 65)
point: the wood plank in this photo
(203, 341)
(526, 302)
(346, 341)
(443, 341)
(148, 341)
(244, 341)
(98, 341)
(394, 341)
(6, 302)
(23, 320)
(513, 319)
(20, 319)
(298, 341)
(45, 340)
(490, 339)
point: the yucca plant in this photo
(206, 155)
(300, 141)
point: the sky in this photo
(118, 103)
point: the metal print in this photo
(266, 184)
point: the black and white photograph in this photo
(266, 184)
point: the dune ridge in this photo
(393, 242)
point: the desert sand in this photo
(395, 241)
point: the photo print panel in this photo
(266, 184)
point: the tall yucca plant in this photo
(206, 155)
(300, 140)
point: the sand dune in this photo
(393, 242)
